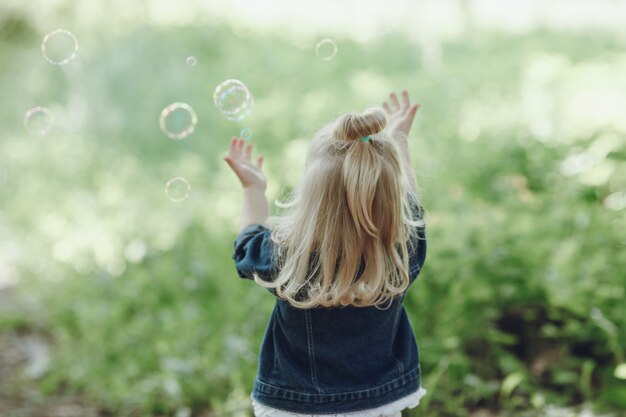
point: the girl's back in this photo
(339, 339)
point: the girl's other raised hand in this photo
(250, 174)
(401, 113)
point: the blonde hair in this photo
(352, 204)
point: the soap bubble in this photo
(326, 49)
(59, 47)
(246, 134)
(233, 99)
(178, 120)
(177, 189)
(38, 120)
(192, 61)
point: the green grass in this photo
(520, 303)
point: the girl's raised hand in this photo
(401, 113)
(250, 174)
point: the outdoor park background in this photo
(116, 301)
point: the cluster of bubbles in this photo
(178, 120)
(233, 99)
(38, 120)
(326, 49)
(59, 47)
(177, 189)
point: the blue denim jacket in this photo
(331, 360)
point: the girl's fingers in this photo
(410, 115)
(240, 145)
(395, 105)
(386, 107)
(406, 102)
(232, 146)
(412, 111)
(238, 153)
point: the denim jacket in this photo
(331, 360)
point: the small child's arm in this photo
(255, 209)
(401, 116)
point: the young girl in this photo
(339, 341)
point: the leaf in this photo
(620, 371)
(510, 383)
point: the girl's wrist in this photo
(255, 187)
(255, 209)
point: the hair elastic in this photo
(365, 139)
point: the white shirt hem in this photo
(410, 401)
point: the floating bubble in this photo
(246, 134)
(178, 120)
(38, 120)
(59, 47)
(177, 189)
(192, 61)
(233, 99)
(326, 49)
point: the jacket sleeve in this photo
(253, 253)
(417, 256)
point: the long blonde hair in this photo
(352, 204)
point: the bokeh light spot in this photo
(616, 201)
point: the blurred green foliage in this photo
(520, 304)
